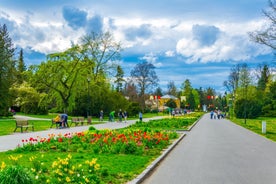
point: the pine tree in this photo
(6, 68)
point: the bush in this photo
(15, 175)
(252, 108)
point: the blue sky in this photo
(197, 40)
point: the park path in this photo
(9, 142)
(218, 152)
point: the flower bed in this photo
(75, 170)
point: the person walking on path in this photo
(101, 115)
(111, 116)
(125, 116)
(120, 115)
(140, 116)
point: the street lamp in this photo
(88, 96)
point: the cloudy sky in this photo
(198, 40)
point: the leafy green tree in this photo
(171, 103)
(247, 108)
(61, 77)
(7, 69)
(263, 76)
(196, 98)
(28, 99)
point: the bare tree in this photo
(267, 36)
(144, 77)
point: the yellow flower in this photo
(97, 167)
(32, 158)
(87, 180)
(47, 181)
(68, 179)
(3, 165)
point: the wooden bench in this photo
(77, 120)
(23, 124)
(81, 120)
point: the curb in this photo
(140, 178)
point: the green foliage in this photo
(171, 103)
(15, 174)
(247, 108)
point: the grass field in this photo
(255, 125)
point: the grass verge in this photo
(255, 125)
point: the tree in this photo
(232, 83)
(172, 90)
(61, 77)
(263, 76)
(145, 78)
(21, 68)
(119, 79)
(100, 50)
(7, 69)
(267, 35)
(158, 92)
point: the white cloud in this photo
(232, 43)
(151, 58)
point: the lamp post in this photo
(88, 95)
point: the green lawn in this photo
(255, 125)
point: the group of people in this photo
(121, 115)
(61, 120)
(216, 114)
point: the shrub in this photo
(252, 108)
(15, 174)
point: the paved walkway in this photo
(218, 152)
(10, 142)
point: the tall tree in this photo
(7, 69)
(158, 92)
(21, 68)
(61, 77)
(119, 79)
(267, 35)
(232, 83)
(100, 50)
(263, 76)
(186, 87)
(145, 78)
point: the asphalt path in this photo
(218, 152)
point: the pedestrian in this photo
(63, 119)
(111, 116)
(101, 115)
(140, 116)
(120, 115)
(173, 113)
(125, 116)
(212, 114)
